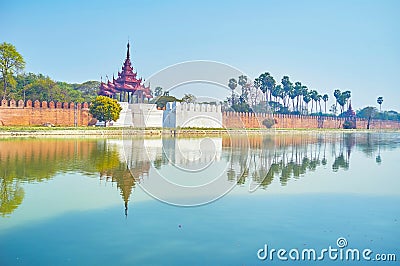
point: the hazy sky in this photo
(350, 45)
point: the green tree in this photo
(306, 99)
(287, 89)
(380, 101)
(68, 93)
(337, 94)
(342, 99)
(267, 85)
(87, 89)
(232, 85)
(319, 98)
(243, 83)
(298, 91)
(241, 106)
(347, 96)
(189, 98)
(158, 91)
(314, 98)
(333, 109)
(276, 92)
(39, 87)
(162, 101)
(325, 98)
(105, 109)
(367, 113)
(10, 62)
(257, 86)
(44, 89)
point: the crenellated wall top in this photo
(42, 104)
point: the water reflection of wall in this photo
(259, 159)
(37, 160)
(291, 156)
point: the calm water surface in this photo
(199, 201)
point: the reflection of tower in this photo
(136, 155)
(378, 158)
(125, 182)
(118, 171)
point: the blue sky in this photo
(350, 45)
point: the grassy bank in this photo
(119, 131)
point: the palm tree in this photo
(158, 91)
(287, 88)
(276, 92)
(298, 92)
(232, 85)
(319, 97)
(304, 92)
(257, 85)
(267, 84)
(325, 98)
(270, 83)
(306, 99)
(292, 95)
(263, 86)
(347, 96)
(342, 101)
(337, 94)
(243, 82)
(380, 101)
(314, 97)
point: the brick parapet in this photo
(255, 120)
(20, 113)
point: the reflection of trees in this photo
(346, 144)
(286, 157)
(271, 156)
(261, 158)
(340, 162)
(36, 160)
(11, 196)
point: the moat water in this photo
(201, 201)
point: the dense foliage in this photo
(24, 86)
(264, 94)
(39, 87)
(11, 62)
(105, 109)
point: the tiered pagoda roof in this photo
(126, 82)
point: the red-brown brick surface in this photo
(39, 113)
(246, 120)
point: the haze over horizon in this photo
(350, 45)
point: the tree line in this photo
(287, 97)
(19, 85)
(264, 94)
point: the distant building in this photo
(126, 88)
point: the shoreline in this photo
(117, 132)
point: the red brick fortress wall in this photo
(30, 113)
(252, 120)
(13, 113)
